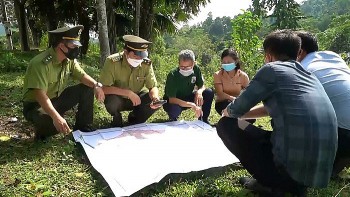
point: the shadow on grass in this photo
(205, 186)
(22, 149)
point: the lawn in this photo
(58, 167)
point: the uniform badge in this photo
(193, 80)
(140, 78)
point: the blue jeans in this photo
(174, 110)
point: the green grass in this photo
(59, 167)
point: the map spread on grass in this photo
(133, 157)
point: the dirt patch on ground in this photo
(20, 129)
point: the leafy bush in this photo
(9, 63)
(246, 42)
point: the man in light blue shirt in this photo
(333, 73)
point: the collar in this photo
(53, 53)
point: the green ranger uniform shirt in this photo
(118, 73)
(46, 73)
(179, 86)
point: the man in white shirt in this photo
(334, 74)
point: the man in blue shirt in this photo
(300, 151)
(334, 74)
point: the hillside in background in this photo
(320, 13)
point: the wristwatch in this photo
(98, 85)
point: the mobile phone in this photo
(159, 102)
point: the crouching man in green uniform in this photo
(46, 95)
(129, 82)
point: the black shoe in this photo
(85, 129)
(38, 137)
(117, 122)
(131, 118)
(253, 185)
(264, 191)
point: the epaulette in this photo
(147, 61)
(116, 57)
(47, 59)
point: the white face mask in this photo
(186, 73)
(134, 62)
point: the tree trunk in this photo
(52, 21)
(137, 17)
(102, 31)
(111, 24)
(36, 32)
(147, 18)
(6, 25)
(22, 24)
(83, 18)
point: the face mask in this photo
(186, 73)
(72, 53)
(134, 62)
(228, 67)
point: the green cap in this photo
(137, 44)
(71, 34)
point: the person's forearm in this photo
(116, 91)
(154, 93)
(256, 112)
(88, 81)
(224, 96)
(46, 104)
(200, 90)
(180, 102)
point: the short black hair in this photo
(308, 41)
(234, 55)
(283, 44)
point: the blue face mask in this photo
(228, 67)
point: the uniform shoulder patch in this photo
(47, 59)
(116, 57)
(147, 61)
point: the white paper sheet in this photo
(134, 157)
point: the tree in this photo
(22, 23)
(102, 30)
(6, 24)
(285, 13)
(137, 18)
(337, 37)
(44, 12)
(161, 15)
(245, 41)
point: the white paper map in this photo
(131, 158)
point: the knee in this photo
(226, 125)
(86, 90)
(172, 110)
(208, 94)
(113, 104)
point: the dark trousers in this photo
(221, 105)
(253, 148)
(78, 94)
(116, 104)
(342, 158)
(174, 110)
